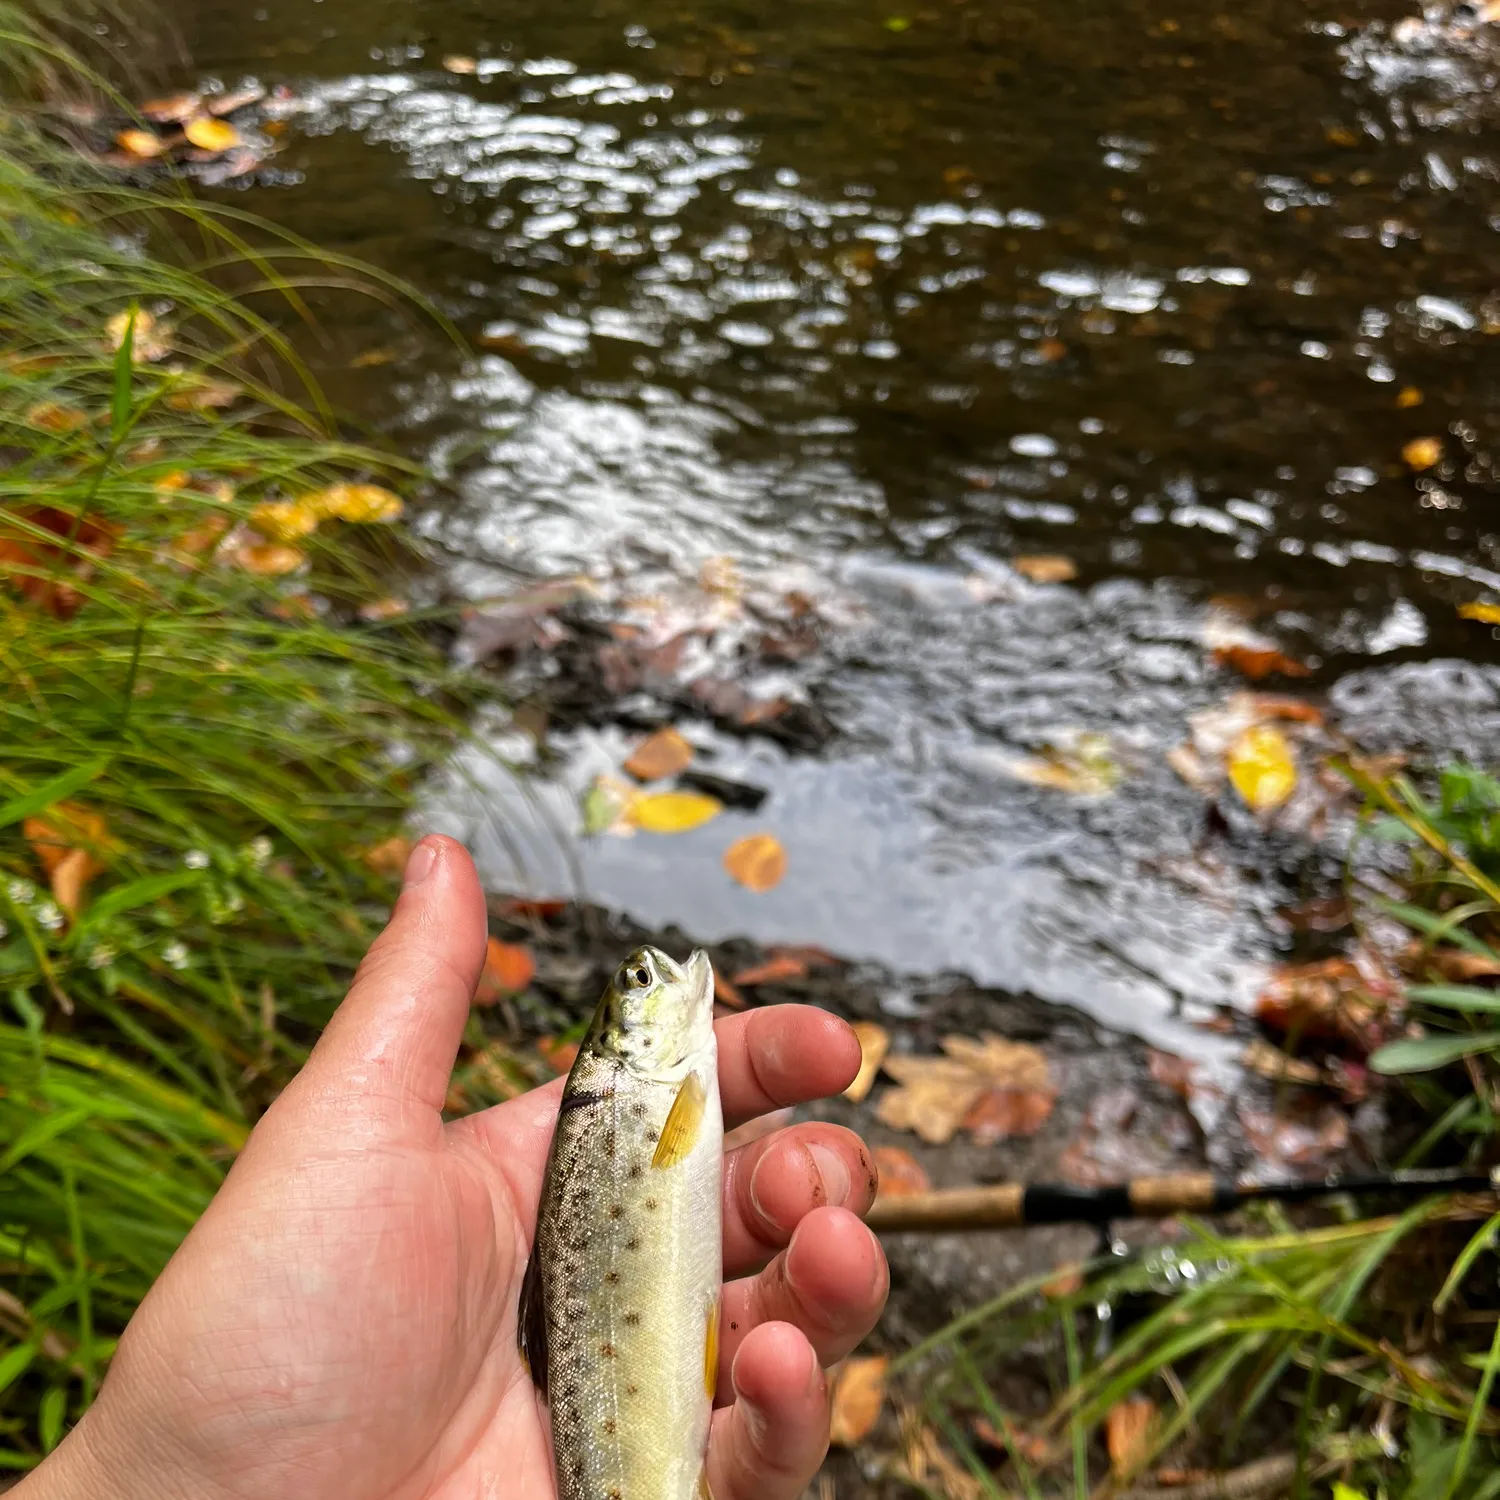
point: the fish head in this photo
(656, 1012)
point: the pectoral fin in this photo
(531, 1324)
(684, 1120)
(711, 1350)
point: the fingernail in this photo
(834, 1173)
(419, 864)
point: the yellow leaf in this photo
(212, 135)
(170, 482)
(52, 417)
(1410, 396)
(663, 754)
(672, 812)
(1486, 614)
(1261, 767)
(874, 1043)
(937, 1094)
(271, 559)
(457, 63)
(197, 394)
(1046, 567)
(142, 143)
(284, 520)
(858, 1396)
(1422, 453)
(148, 343)
(757, 862)
(363, 504)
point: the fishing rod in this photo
(1017, 1205)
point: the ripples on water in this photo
(895, 294)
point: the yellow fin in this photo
(684, 1120)
(711, 1351)
(704, 1493)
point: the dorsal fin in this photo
(531, 1322)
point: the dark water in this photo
(875, 296)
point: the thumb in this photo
(389, 1050)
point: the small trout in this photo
(619, 1317)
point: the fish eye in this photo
(639, 976)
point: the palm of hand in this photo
(341, 1323)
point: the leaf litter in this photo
(990, 1086)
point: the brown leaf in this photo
(1175, 1073)
(774, 971)
(874, 1043)
(1331, 1000)
(901, 1174)
(1046, 567)
(558, 1055)
(376, 611)
(758, 862)
(202, 394)
(1127, 1433)
(1302, 1137)
(998, 1113)
(526, 908)
(1459, 966)
(389, 856)
(508, 969)
(268, 559)
(858, 1395)
(726, 994)
(1064, 1281)
(1256, 662)
(1271, 1062)
(30, 565)
(172, 110)
(67, 840)
(141, 145)
(937, 1093)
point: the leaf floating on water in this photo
(208, 134)
(1081, 763)
(508, 969)
(858, 1396)
(672, 812)
(901, 1174)
(757, 862)
(1422, 453)
(663, 754)
(1409, 396)
(874, 1043)
(171, 110)
(605, 806)
(360, 504)
(938, 1093)
(144, 145)
(1257, 662)
(1046, 567)
(1127, 1433)
(1486, 614)
(270, 559)
(1262, 768)
(463, 66)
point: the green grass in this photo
(1366, 1350)
(221, 744)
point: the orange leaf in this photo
(1046, 567)
(58, 839)
(174, 109)
(508, 969)
(1422, 453)
(389, 856)
(284, 520)
(1127, 1433)
(143, 144)
(270, 559)
(726, 994)
(664, 754)
(758, 862)
(199, 394)
(1063, 1282)
(1256, 662)
(874, 1043)
(521, 908)
(558, 1055)
(774, 971)
(998, 1113)
(901, 1174)
(857, 1398)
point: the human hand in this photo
(341, 1323)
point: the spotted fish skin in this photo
(620, 1316)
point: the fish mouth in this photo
(699, 973)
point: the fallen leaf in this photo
(726, 994)
(1486, 614)
(1172, 1072)
(1262, 768)
(373, 358)
(1422, 453)
(1408, 396)
(774, 971)
(671, 812)
(1458, 965)
(721, 575)
(362, 504)
(203, 537)
(1046, 567)
(928, 1464)
(201, 394)
(901, 1174)
(1271, 1062)
(874, 1043)
(1331, 999)
(144, 145)
(284, 520)
(1064, 1281)
(758, 862)
(171, 110)
(208, 134)
(389, 608)
(605, 806)
(235, 99)
(508, 969)
(938, 1093)
(388, 857)
(1081, 763)
(456, 63)
(1127, 1434)
(1257, 662)
(269, 559)
(663, 754)
(1049, 351)
(527, 908)
(52, 416)
(1303, 1137)
(558, 1055)
(999, 1113)
(150, 340)
(66, 840)
(858, 1395)
(296, 607)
